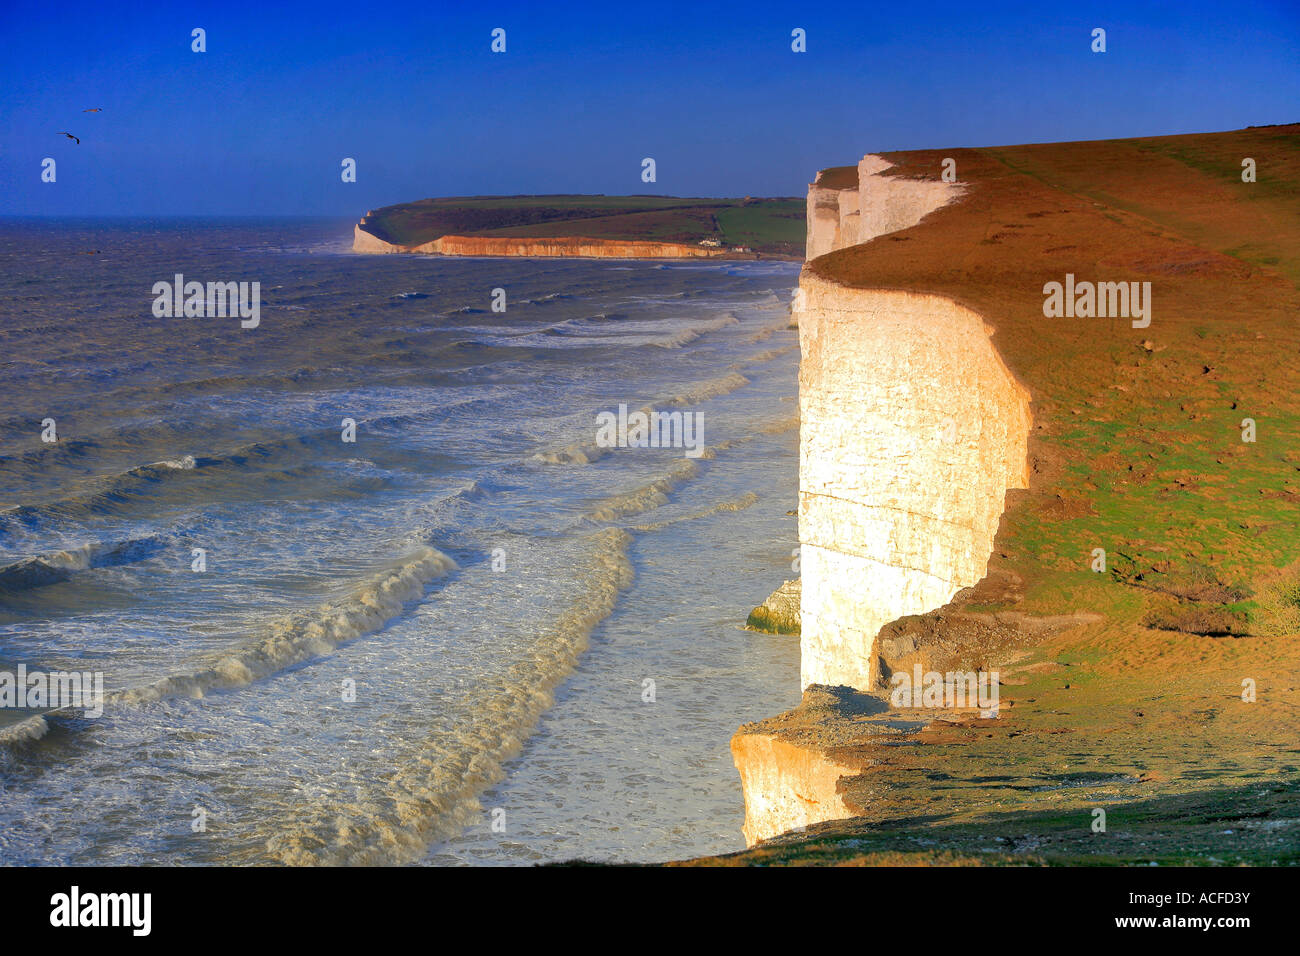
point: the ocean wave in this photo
(579, 453)
(15, 735)
(64, 450)
(605, 329)
(785, 325)
(779, 426)
(646, 497)
(307, 634)
(184, 463)
(112, 493)
(586, 452)
(702, 391)
(433, 792)
(674, 340)
(46, 569)
(760, 358)
(448, 509)
(746, 500)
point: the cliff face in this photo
(574, 246)
(889, 203)
(786, 786)
(1134, 430)
(792, 770)
(363, 241)
(568, 246)
(845, 215)
(832, 218)
(912, 431)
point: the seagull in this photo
(71, 137)
(96, 110)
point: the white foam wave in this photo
(433, 792)
(303, 636)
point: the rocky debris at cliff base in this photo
(779, 614)
(822, 759)
(956, 637)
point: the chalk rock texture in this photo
(879, 204)
(912, 431)
(886, 204)
(786, 786)
(832, 219)
(363, 241)
(779, 614)
(792, 766)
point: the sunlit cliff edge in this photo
(912, 430)
(963, 461)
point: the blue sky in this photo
(260, 123)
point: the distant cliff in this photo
(595, 226)
(576, 246)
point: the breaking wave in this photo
(45, 569)
(433, 792)
(736, 504)
(308, 634)
(586, 452)
(647, 497)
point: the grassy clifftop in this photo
(1137, 446)
(766, 226)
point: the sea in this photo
(363, 583)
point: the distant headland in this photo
(596, 226)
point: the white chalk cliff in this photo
(912, 430)
(563, 246)
(840, 217)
